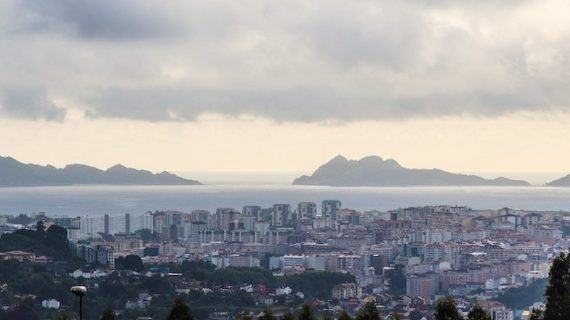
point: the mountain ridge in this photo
(14, 173)
(560, 182)
(375, 171)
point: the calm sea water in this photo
(96, 200)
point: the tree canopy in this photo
(446, 309)
(368, 312)
(558, 289)
(51, 242)
(129, 262)
(179, 311)
(306, 313)
(397, 279)
(478, 313)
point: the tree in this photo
(244, 316)
(397, 279)
(130, 262)
(416, 315)
(536, 314)
(344, 316)
(395, 316)
(56, 238)
(288, 316)
(179, 311)
(368, 312)
(478, 313)
(558, 289)
(108, 315)
(446, 309)
(306, 313)
(266, 314)
(23, 311)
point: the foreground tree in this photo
(397, 279)
(306, 313)
(130, 262)
(288, 316)
(179, 311)
(344, 316)
(395, 316)
(416, 315)
(244, 316)
(478, 313)
(558, 289)
(446, 309)
(267, 314)
(536, 314)
(107, 315)
(368, 312)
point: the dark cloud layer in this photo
(101, 19)
(306, 61)
(29, 103)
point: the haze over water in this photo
(98, 200)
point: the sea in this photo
(99, 200)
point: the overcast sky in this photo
(473, 85)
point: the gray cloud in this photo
(29, 103)
(101, 19)
(288, 61)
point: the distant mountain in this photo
(17, 174)
(374, 171)
(562, 182)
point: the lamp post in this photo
(79, 291)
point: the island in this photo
(375, 171)
(562, 182)
(14, 173)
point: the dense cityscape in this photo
(284, 160)
(230, 262)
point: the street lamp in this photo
(79, 291)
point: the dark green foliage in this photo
(288, 316)
(558, 289)
(108, 315)
(306, 313)
(244, 316)
(477, 313)
(416, 315)
(395, 316)
(130, 262)
(240, 275)
(8, 269)
(150, 251)
(51, 242)
(520, 298)
(344, 316)
(317, 284)
(446, 309)
(146, 235)
(536, 314)
(368, 312)
(179, 311)
(267, 314)
(24, 310)
(397, 279)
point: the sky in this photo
(466, 86)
